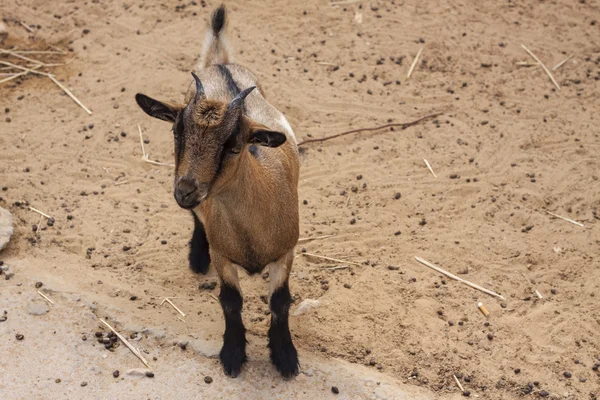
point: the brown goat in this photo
(236, 169)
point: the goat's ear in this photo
(164, 110)
(267, 138)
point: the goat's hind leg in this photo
(199, 255)
(283, 352)
(233, 352)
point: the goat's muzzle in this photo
(189, 193)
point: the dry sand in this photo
(508, 147)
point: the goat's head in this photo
(210, 136)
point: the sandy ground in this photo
(508, 147)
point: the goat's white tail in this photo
(216, 47)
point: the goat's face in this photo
(209, 137)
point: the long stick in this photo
(68, 92)
(306, 239)
(449, 275)
(330, 259)
(126, 343)
(543, 66)
(403, 125)
(565, 218)
(414, 63)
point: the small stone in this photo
(335, 390)
(98, 334)
(57, 380)
(115, 106)
(466, 393)
(490, 336)
(208, 379)
(543, 393)
(305, 202)
(18, 336)
(352, 221)
(393, 268)
(84, 383)
(397, 195)
(517, 370)
(453, 176)
(163, 242)
(150, 374)
(347, 285)
(133, 298)
(116, 373)
(84, 338)
(38, 285)
(582, 379)
(567, 374)
(451, 323)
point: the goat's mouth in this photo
(190, 202)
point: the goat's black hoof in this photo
(232, 358)
(285, 359)
(199, 260)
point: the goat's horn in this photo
(199, 88)
(239, 99)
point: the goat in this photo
(236, 169)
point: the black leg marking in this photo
(233, 352)
(199, 257)
(283, 352)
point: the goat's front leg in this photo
(233, 352)
(199, 255)
(283, 352)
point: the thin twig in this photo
(214, 297)
(45, 297)
(326, 63)
(403, 125)
(39, 225)
(145, 156)
(414, 63)
(565, 218)
(538, 294)
(175, 307)
(38, 52)
(335, 268)
(458, 383)
(339, 3)
(563, 62)
(12, 53)
(430, 169)
(26, 26)
(39, 212)
(448, 274)
(142, 141)
(68, 92)
(20, 74)
(135, 351)
(542, 65)
(32, 70)
(306, 239)
(330, 259)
